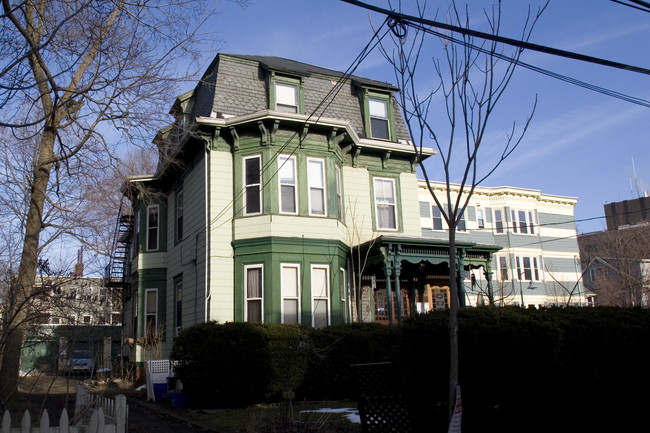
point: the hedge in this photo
(516, 365)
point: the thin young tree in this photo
(453, 115)
(77, 78)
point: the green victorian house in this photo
(285, 193)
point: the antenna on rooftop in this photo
(637, 187)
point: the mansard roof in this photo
(280, 64)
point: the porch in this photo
(401, 276)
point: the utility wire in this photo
(496, 38)
(322, 106)
(637, 4)
(565, 78)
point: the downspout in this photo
(206, 186)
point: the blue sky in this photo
(580, 143)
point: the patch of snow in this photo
(350, 414)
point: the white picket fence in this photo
(93, 414)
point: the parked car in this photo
(81, 361)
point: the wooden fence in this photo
(93, 414)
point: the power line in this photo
(565, 78)
(322, 106)
(400, 17)
(637, 4)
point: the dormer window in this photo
(379, 124)
(286, 97)
(285, 94)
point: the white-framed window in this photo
(290, 282)
(287, 97)
(339, 195)
(480, 218)
(504, 273)
(461, 226)
(437, 217)
(254, 285)
(151, 313)
(523, 222)
(528, 268)
(178, 305)
(345, 312)
(385, 203)
(316, 179)
(179, 215)
(288, 184)
(498, 221)
(252, 185)
(86, 320)
(379, 120)
(116, 318)
(320, 292)
(153, 223)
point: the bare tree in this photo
(469, 81)
(617, 265)
(78, 77)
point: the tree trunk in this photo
(453, 322)
(22, 292)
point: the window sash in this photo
(316, 179)
(287, 182)
(503, 269)
(461, 225)
(290, 294)
(498, 221)
(179, 305)
(286, 97)
(437, 218)
(480, 219)
(254, 286)
(252, 185)
(378, 116)
(153, 221)
(151, 313)
(339, 195)
(385, 203)
(179, 215)
(320, 296)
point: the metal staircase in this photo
(116, 272)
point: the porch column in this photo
(389, 292)
(398, 293)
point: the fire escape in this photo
(117, 270)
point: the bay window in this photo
(320, 293)
(254, 286)
(153, 216)
(290, 283)
(316, 179)
(287, 180)
(252, 185)
(528, 268)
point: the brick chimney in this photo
(79, 266)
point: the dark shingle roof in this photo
(286, 65)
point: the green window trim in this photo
(284, 83)
(368, 97)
